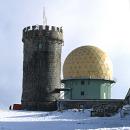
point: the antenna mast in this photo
(44, 17)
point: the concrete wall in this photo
(87, 104)
(87, 89)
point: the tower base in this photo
(40, 106)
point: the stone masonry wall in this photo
(41, 66)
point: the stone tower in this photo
(41, 67)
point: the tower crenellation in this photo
(36, 31)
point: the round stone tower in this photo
(41, 67)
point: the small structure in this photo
(15, 107)
(127, 98)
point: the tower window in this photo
(82, 82)
(82, 93)
(40, 46)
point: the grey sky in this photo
(104, 23)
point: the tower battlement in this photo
(37, 31)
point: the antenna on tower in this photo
(44, 17)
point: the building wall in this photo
(89, 103)
(41, 66)
(87, 89)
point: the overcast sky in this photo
(103, 23)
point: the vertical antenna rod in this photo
(44, 17)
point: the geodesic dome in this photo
(87, 62)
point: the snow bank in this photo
(66, 120)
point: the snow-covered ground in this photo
(66, 120)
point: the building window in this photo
(82, 93)
(82, 82)
(104, 95)
(88, 82)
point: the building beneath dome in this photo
(87, 73)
